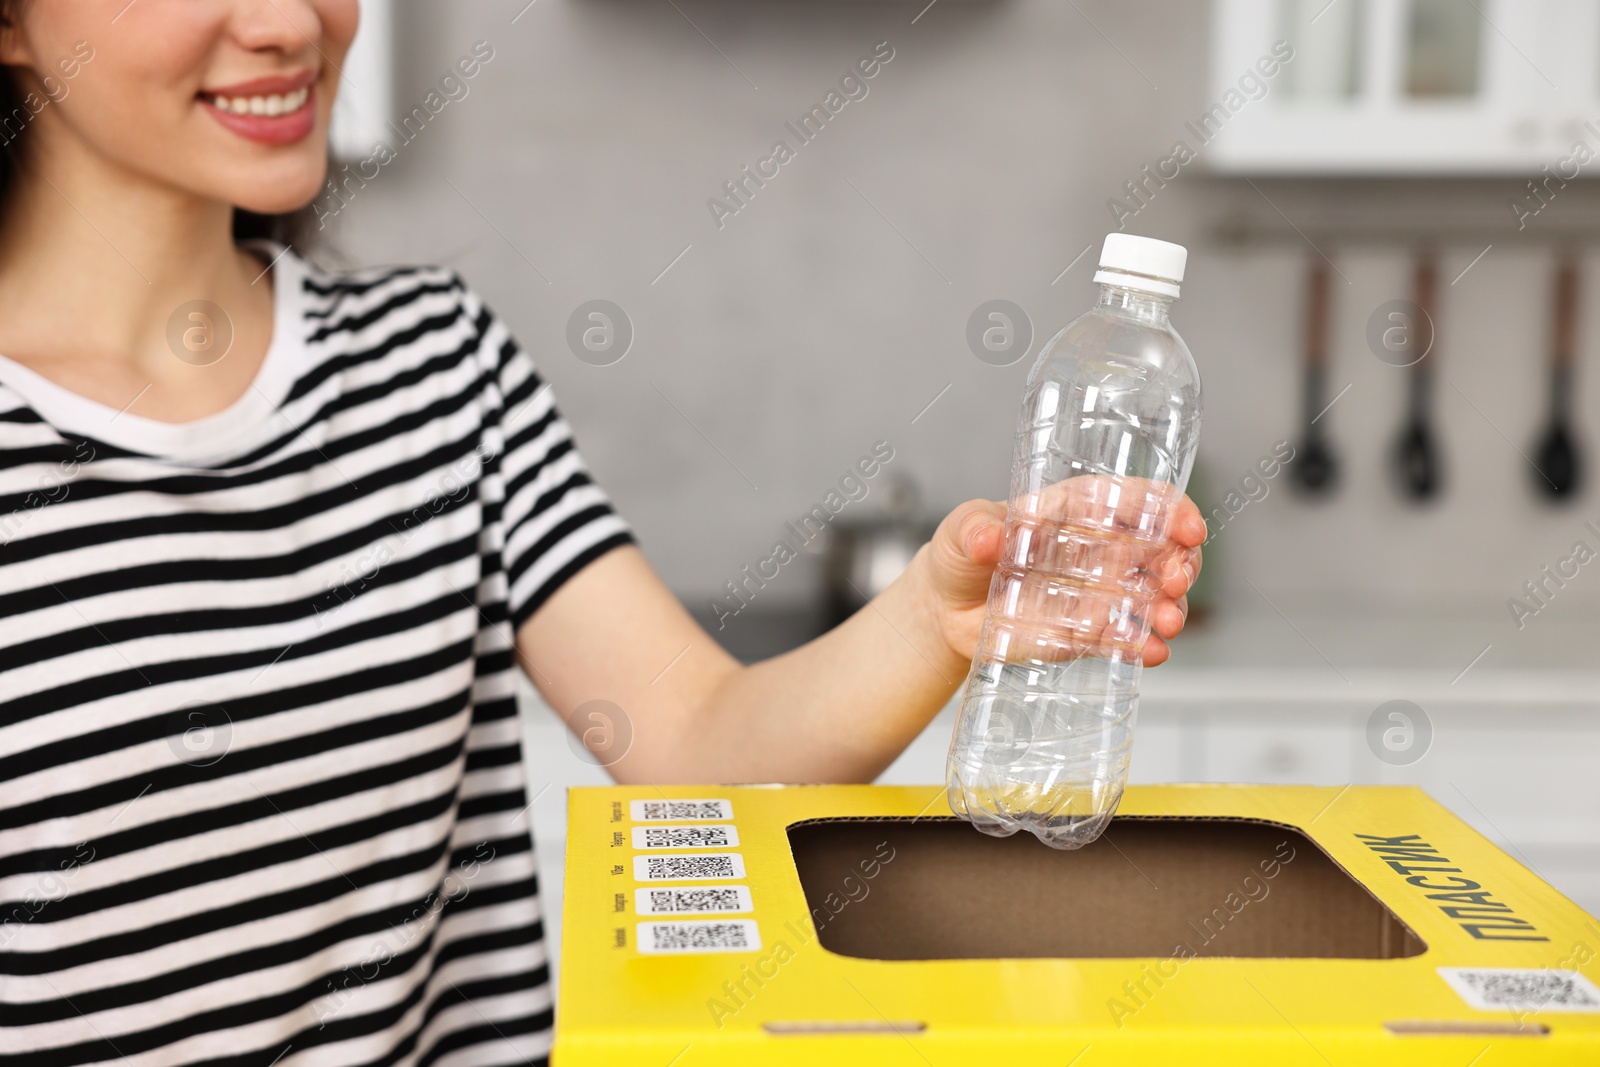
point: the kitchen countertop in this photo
(1314, 654)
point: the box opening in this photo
(935, 888)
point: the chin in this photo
(277, 196)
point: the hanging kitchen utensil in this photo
(1418, 465)
(1315, 468)
(1556, 455)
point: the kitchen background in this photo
(775, 340)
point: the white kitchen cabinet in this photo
(1525, 777)
(1265, 745)
(1405, 87)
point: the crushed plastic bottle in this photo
(1106, 440)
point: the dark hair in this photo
(288, 228)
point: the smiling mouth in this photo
(268, 105)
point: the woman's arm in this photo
(839, 708)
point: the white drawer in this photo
(1276, 747)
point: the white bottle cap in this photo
(1142, 263)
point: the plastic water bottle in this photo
(1106, 439)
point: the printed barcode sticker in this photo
(685, 837)
(693, 900)
(699, 935)
(712, 865)
(680, 810)
(1522, 989)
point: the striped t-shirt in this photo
(261, 788)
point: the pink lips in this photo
(286, 128)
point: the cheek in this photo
(133, 89)
(129, 108)
(339, 21)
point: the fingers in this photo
(1188, 527)
(981, 531)
(1101, 501)
(966, 548)
(1178, 570)
(971, 540)
(1167, 616)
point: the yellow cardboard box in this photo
(1211, 924)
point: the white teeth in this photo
(277, 104)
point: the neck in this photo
(91, 244)
(1135, 303)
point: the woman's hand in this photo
(839, 708)
(959, 562)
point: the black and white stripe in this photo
(261, 789)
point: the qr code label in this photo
(703, 868)
(693, 900)
(1522, 989)
(699, 935)
(685, 837)
(680, 810)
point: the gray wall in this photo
(811, 325)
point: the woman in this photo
(260, 790)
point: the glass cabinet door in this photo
(1441, 48)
